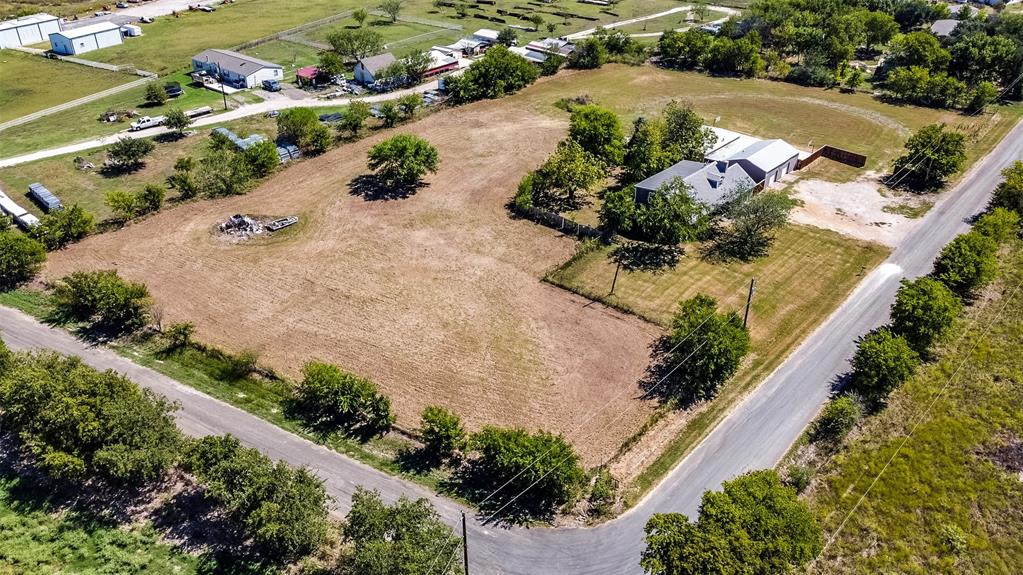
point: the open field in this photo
(290, 55)
(962, 468)
(89, 188)
(436, 297)
(669, 22)
(12, 8)
(82, 122)
(390, 31)
(29, 81)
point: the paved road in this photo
(754, 436)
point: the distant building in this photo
(310, 76)
(85, 39)
(485, 35)
(236, 69)
(555, 46)
(531, 55)
(368, 69)
(27, 30)
(944, 28)
(463, 47)
(440, 62)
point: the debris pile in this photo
(242, 227)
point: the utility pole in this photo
(615, 280)
(465, 546)
(749, 300)
(223, 91)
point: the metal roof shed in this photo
(44, 197)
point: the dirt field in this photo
(436, 297)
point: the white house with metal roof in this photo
(236, 69)
(27, 30)
(367, 69)
(84, 39)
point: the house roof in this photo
(709, 183)
(89, 30)
(727, 143)
(26, 21)
(440, 58)
(486, 33)
(374, 64)
(766, 154)
(531, 55)
(943, 27)
(307, 72)
(234, 62)
(552, 45)
(462, 44)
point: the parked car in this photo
(173, 89)
(122, 4)
(103, 13)
(146, 19)
(207, 8)
(271, 85)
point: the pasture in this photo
(28, 83)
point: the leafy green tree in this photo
(294, 123)
(497, 73)
(62, 227)
(981, 96)
(282, 510)
(552, 64)
(836, 420)
(685, 136)
(597, 130)
(932, 155)
(755, 524)
(393, 75)
(78, 423)
(537, 21)
(416, 63)
(331, 63)
(129, 153)
(1009, 193)
(588, 54)
(392, 8)
(6, 357)
(179, 335)
(155, 95)
(883, 361)
(360, 15)
(389, 114)
(409, 103)
(853, 80)
(708, 344)
(402, 160)
(150, 198)
(351, 45)
(618, 212)
(753, 221)
(999, 224)
(919, 48)
(734, 57)
(979, 57)
(507, 37)
(405, 538)
(177, 120)
(442, 431)
(316, 140)
(567, 173)
(21, 258)
(262, 158)
(879, 29)
(645, 153)
(122, 203)
(542, 466)
(671, 216)
(923, 312)
(684, 50)
(330, 397)
(223, 173)
(354, 116)
(967, 263)
(104, 299)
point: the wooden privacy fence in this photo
(837, 154)
(561, 223)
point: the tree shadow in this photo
(664, 380)
(472, 483)
(370, 188)
(168, 137)
(418, 460)
(112, 170)
(639, 256)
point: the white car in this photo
(207, 8)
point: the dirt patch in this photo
(437, 296)
(1007, 454)
(857, 209)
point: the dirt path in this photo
(436, 297)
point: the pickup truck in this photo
(147, 122)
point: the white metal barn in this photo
(28, 30)
(85, 39)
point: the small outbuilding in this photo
(440, 62)
(485, 35)
(555, 46)
(28, 30)
(310, 76)
(44, 197)
(85, 38)
(368, 69)
(236, 69)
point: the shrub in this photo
(262, 158)
(836, 420)
(1009, 193)
(62, 227)
(402, 160)
(442, 431)
(799, 477)
(155, 95)
(497, 73)
(179, 335)
(354, 116)
(603, 493)
(588, 54)
(999, 224)
(597, 130)
(294, 123)
(330, 397)
(883, 361)
(128, 152)
(967, 263)
(103, 299)
(932, 155)
(21, 258)
(923, 312)
(710, 344)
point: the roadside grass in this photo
(802, 116)
(89, 188)
(83, 122)
(808, 273)
(29, 81)
(265, 397)
(290, 55)
(911, 210)
(946, 478)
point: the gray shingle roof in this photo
(709, 183)
(234, 62)
(374, 64)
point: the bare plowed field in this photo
(436, 297)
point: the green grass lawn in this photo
(946, 476)
(29, 83)
(669, 22)
(389, 31)
(767, 109)
(89, 188)
(36, 539)
(808, 273)
(290, 55)
(82, 122)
